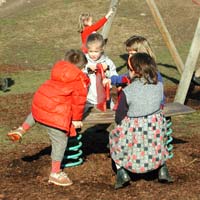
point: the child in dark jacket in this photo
(137, 143)
(59, 104)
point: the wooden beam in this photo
(165, 34)
(98, 117)
(189, 67)
(107, 26)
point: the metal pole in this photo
(107, 26)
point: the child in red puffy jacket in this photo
(58, 104)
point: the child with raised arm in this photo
(86, 26)
(58, 104)
(137, 143)
(95, 56)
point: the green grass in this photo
(39, 35)
(26, 81)
(36, 135)
(34, 36)
(186, 125)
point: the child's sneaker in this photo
(16, 134)
(60, 178)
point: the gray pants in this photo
(59, 141)
(58, 138)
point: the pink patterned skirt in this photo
(139, 144)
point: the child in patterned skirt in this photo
(137, 143)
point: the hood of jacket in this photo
(64, 71)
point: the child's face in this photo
(95, 51)
(131, 73)
(131, 52)
(88, 22)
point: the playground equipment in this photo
(96, 117)
(73, 154)
(169, 138)
(189, 67)
(186, 71)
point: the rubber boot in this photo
(163, 175)
(122, 178)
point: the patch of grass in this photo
(8, 22)
(186, 125)
(26, 81)
(36, 36)
(36, 134)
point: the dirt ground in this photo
(24, 172)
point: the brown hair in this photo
(76, 57)
(139, 44)
(95, 37)
(144, 66)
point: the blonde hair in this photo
(139, 44)
(82, 18)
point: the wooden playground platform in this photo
(98, 117)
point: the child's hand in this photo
(110, 12)
(93, 68)
(77, 124)
(105, 66)
(106, 81)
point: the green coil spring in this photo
(169, 138)
(73, 152)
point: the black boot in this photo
(122, 178)
(163, 175)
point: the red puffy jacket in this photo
(61, 100)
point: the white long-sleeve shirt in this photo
(92, 93)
